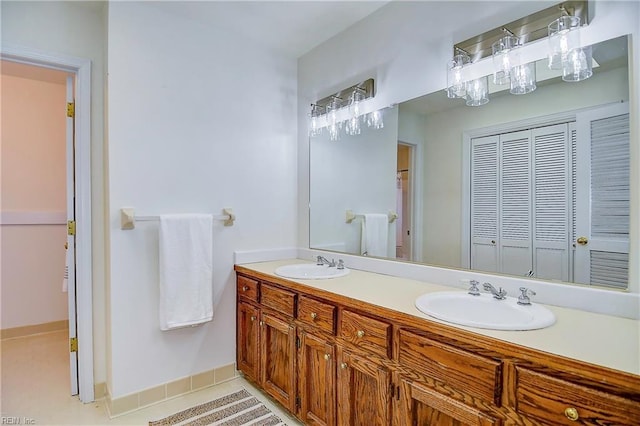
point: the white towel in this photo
(375, 233)
(186, 270)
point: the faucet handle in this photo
(319, 261)
(340, 264)
(474, 290)
(524, 299)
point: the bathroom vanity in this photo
(354, 350)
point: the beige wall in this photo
(33, 181)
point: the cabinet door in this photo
(279, 360)
(420, 405)
(317, 381)
(248, 338)
(363, 391)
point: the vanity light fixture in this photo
(374, 120)
(505, 43)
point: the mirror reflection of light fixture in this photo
(523, 79)
(355, 111)
(503, 57)
(333, 124)
(478, 91)
(456, 86)
(578, 65)
(374, 120)
(315, 117)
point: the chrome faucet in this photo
(321, 260)
(340, 264)
(497, 294)
(474, 290)
(524, 299)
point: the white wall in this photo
(199, 119)
(355, 173)
(405, 46)
(75, 29)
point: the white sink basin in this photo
(310, 271)
(484, 311)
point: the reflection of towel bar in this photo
(128, 218)
(351, 216)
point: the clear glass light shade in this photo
(503, 58)
(334, 126)
(355, 111)
(578, 65)
(315, 121)
(456, 87)
(563, 38)
(523, 79)
(478, 91)
(374, 120)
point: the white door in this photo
(71, 243)
(602, 196)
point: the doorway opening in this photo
(404, 201)
(78, 212)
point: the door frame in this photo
(416, 201)
(84, 295)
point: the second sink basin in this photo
(484, 311)
(310, 271)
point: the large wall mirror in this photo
(528, 185)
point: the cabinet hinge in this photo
(71, 227)
(73, 344)
(298, 343)
(393, 389)
(71, 109)
(297, 401)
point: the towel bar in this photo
(350, 215)
(128, 218)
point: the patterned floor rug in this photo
(236, 409)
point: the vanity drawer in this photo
(475, 375)
(316, 313)
(247, 288)
(366, 332)
(551, 400)
(278, 299)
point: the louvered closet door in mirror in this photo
(484, 203)
(552, 194)
(515, 203)
(602, 196)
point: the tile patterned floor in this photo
(35, 387)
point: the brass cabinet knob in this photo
(327, 357)
(360, 333)
(253, 318)
(245, 288)
(261, 323)
(313, 315)
(572, 414)
(343, 365)
(583, 241)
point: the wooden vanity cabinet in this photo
(335, 361)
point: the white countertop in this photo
(603, 340)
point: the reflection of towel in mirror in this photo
(375, 233)
(186, 270)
